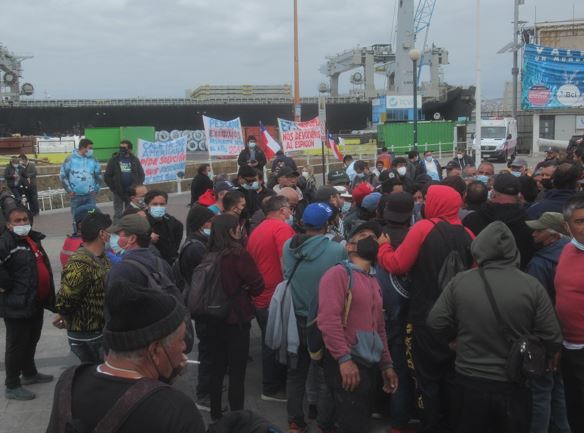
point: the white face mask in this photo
(305, 174)
(22, 230)
(459, 155)
(402, 171)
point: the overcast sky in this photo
(135, 48)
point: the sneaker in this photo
(19, 393)
(38, 378)
(204, 403)
(279, 397)
(295, 428)
(312, 411)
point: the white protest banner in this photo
(163, 160)
(224, 138)
(300, 135)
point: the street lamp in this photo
(415, 56)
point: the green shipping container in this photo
(434, 136)
(106, 141)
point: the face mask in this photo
(305, 174)
(115, 244)
(367, 249)
(89, 153)
(402, 171)
(429, 159)
(361, 175)
(124, 151)
(176, 371)
(290, 220)
(15, 165)
(482, 178)
(252, 145)
(22, 230)
(346, 207)
(516, 173)
(578, 245)
(206, 232)
(158, 211)
(253, 187)
(459, 155)
(547, 183)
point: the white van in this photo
(499, 138)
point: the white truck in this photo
(499, 138)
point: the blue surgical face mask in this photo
(361, 175)
(206, 232)
(483, 178)
(253, 187)
(89, 153)
(429, 158)
(346, 207)
(252, 145)
(577, 244)
(114, 244)
(158, 211)
(22, 230)
(516, 173)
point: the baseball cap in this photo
(398, 207)
(324, 193)
(343, 191)
(131, 224)
(371, 201)
(360, 191)
(519, 162)
(549, 220)
(374, 226)
(317, 215)
(223, 185)
(506, 183)
(451, 165)
(287, 172)
(82, 211)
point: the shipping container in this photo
(17, 145)
(106, 141)
(398, 137)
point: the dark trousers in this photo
(229, 348)
(485, 406)
(434, 373)
(204, 371)
(22, 336)
(352, 409)
(273, 373)
(33, 199)
(573, 372)
(87, 346)
(120, 205)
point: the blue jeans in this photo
(80, 200)
(549, 404)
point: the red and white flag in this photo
(267, 143)
(334, 147)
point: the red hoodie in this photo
(442, 204)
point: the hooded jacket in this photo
(463, 311)
(318, 255)
(80, 174)
(543, 265)
(553, 201)
(113, 174)
(425, 248)
(514, 216)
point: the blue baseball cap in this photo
(317, 215)
(371, 201)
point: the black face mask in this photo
(547, 184)
(367, 249)
(124, 151)
(176, 371)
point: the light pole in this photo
(415, 56)
(297, 106)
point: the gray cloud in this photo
(126, 48)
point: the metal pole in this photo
(515, 70)
(323, 163)
(415, 106)
(297, 106)
(478, 98)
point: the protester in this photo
(453, 169)
(229, 340)
(430, 166)
(136, 194)
(485, 171)
(362, 174)
(570, 309)
(413, 164)
(551, 155)
(549, 402)
(422, 255)
(167, 230)
(462, 159)
(74, 241)
(379, 168)
(265, 245)
(287, 177)
(306, 258)
(248, 179)
(528, 192)
(26, 289)
(252, 155)
(81, 176)
(456, 183)
(469, 173)
(29, 174)
(145, 353)
(307, 183)
(80, 302)
(564, 185)
(476, 196)
(351, 218)
(349, 165)
(123, 170)
(220, 190)
(518, 167)
(504, 206)
(14, 176)
(201, 183)
(234, 203)
(354, 332)
(282, 160)
(487, 399)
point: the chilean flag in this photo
(267, 143)
(334, 147)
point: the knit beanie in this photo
(139, 316)
(197, 217)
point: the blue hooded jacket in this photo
(80, 174)
(543, 265)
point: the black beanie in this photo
(197, 217)
(139, 316)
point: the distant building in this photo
(210, 93)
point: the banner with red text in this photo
(162, 161)
(224, 138)
(298, 136)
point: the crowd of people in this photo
(439, 299)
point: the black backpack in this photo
(181, 281)
(452, 264)
(205, 298)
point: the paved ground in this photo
(53, 354)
